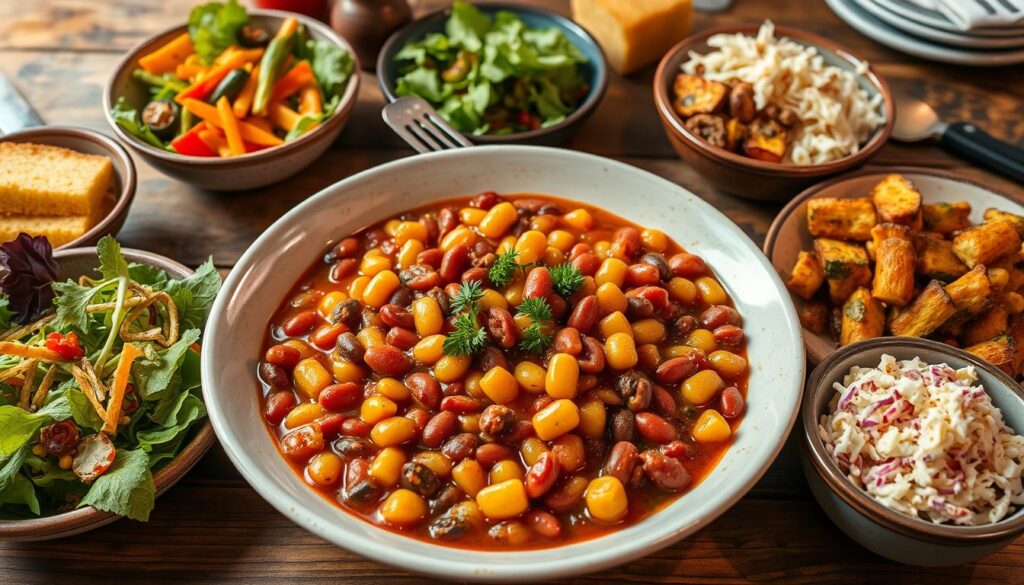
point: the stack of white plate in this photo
(908, 27)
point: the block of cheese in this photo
(634, 33)
(43, 180)
(59, 230)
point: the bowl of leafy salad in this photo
(101, 404)
(234, 99)
(498, 73)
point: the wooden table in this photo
(212, 527)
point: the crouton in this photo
(946, 218)
(844, 219)
(928, 312)
(894, 272)
(898, 201)
(807, 275)
(863, 318)
(986, 243)
(845, 266)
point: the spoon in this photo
(916, 121)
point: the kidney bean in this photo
(684, 325)
(587, 263)
(460, 446)
(567, 340)
(278, 405)
(338, 397)
(497, 420)
(491, 357)
(274, 376)
(542, 475)
(431, 257)
(419, 418)
(566, 496)
(420, 277)
(663, 471)
(676, 450)
(454, 389)
(447, 220)
(578, 249)
(476, 273)
(687, 265)
(396, 316)
(403, 297)
(538, 283)
(439, 428)
(433, 229)
(543, 523)
(330, 424)
(718, 315)
(355, 447)
(371, 318)
(355, 427)
(348, 312)
(401, 338)
(648, 357)
(622, 461)
(490, 453)
(732, 402)
(485, 200)
(728, 336)
(680, 368)
(586, 382)
(627, 240)
(501, 327)
(484, 260)
(424, 389)
(452, 289)
(585, 314)
(348, 347)
(346, 248)
(641, 275)
(300, 323)
(454, 262)
(360, 489)
(343, 269)
(541, 402)
(656, 294)
(461, 404)
(663, 402)
(659, 263)
(638, 308)
(655, 429)
(283, 356)
(387, 360)
(440, 298)
(303, 442)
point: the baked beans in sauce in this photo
(634, 399)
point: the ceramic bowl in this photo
(595, 70)
(280, 257)
(249, 171)
(788, 233)
(745, 176)
(90, 142)
(890, 534)
(76, 262)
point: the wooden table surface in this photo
(213, 528)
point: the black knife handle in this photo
(974, 144)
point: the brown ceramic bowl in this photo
(90, 142)
(249, 171)
(748, 177)
(74, 263)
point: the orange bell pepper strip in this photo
(205, 86)
(169, 56)
(244, 99)
(291, 82)
(310, 102)
(120, 386)
(248, 132)
(229, 123)
(283, 117)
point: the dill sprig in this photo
(566, 279)
(467, 298)
(536, 338)
(504, 268)
(467, 338)
(536, 308)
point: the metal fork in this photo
(417, 123)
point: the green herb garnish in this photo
(467, 298)
(468, 337)
(504, 268)
(566, 279)
(535, 338)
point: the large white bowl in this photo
(282, 254)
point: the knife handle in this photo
(976, 145)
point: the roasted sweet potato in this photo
(928, 312)
(884, 231)
(696, 95)
(843, 219)
(972, 293)
(936, 260)
(1000, 352)
(897, 201)
(986, 243)
(991, 324)
(845, 266)
(894, 272)
(814, 316)
(807, 275)
(735, 134)
(946, 218)
(992, 214)
(863, 318)
(767, 140)
(1013, 264)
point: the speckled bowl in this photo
(879, 529)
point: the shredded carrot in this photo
(249, 132)
(310, 102)
(291, 82)
(283, 117)
(229, 123)
(119, 387)
(169, 56)
(288, 27)
(29, 351)
(206, 85)
(244, 99)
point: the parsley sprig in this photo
(504, 268)
(536, 338)
(468, 337)
(566, 279)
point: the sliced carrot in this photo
(229, 123)
(291, 82)
(309, 100)
(29, 351)
(283, 117)
(244, 99)
(169, 56)
(288, 27)
(213, 138)
(249, 132)
(208, 83)
(261, 123)
(119, 387)
(189, 71)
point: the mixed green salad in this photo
(99, 379)
(494, 75)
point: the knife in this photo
(15, 113)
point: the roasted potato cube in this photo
(863, 318)
(844, 219)
(845, 266)
(936, 260)
(696, 95)
(884, 231)
(814, 316)
(1000, 352)
(807, 275)
(1013, 264)
(987, 326)
(992, 214)
(894, 272)
(898, 201)
(735, 134)
(986, 243)
(971, 293)
(767, 140)
(928, 312)
(946, 218)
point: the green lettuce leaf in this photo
(81, 409)
(126, 488)
(128, 119)
(154, 376)
(148, 275)
(214, 27)
(112, 262)
(467, 26)
(19, 426)
(173, 417)
(20, 491)
(5, 313)
(332, 66)
(194, 295)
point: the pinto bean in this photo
(684, 325)
(347, 312)
(623, 426)
(354, 447)
(420, 479)
(635, 389)
(622, 461)
(497, 420)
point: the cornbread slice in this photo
(59, 230)
(43, 180)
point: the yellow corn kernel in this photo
(531, 246)
(331, 300)
(506, 244)
(1013, 303)
(615, 322)
(711, 427)
(648, 331)
(593, 417)
(469, 476)
(451, 367)
(562, 377)
(435, 461)
(311, 377)
(357, 286)
(498, 219)
(544, 223)
(39, 450)
(66, 461)
(999, 277)
(532, 449)
(373, 265)
(380, 288)
(499, 385)
(606, 499)
(711, 292)
(702, 387)
(303, 414)
(492, 299)
(393, 431)
(393, 389)
(503, 500)
(325, 469)
(728, 364)
(410, 230)
(603, 249)
(403, 508)
(427, 316)
(654, 240)
(506, 470)
(556, 419)
(391, 227)
(470, 423)
(620, 351)
(553, 257)
(302, 347)
(472, 383)
(530, 377)
(375, 252)
(409, 252)
(471, 215)
(611, 298)
(612, 270)
(461, 235)
(371, 337)
(521, 322)
(514, 293)
(561, 240)
(702, 339)
(579, 219)
(346, 371)
(429, 349)
(386, 467)
(377, 408)
(682, 290)
(675, 351)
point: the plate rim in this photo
(937, 20)
(878, 9)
